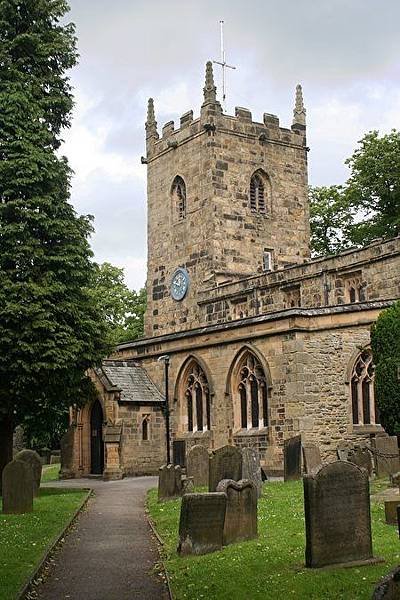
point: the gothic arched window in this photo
(197, 395)
(362, 390)
(178, 192)
(251, 392)
(258, 193)
(145, 428)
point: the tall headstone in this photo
(32, 458)
(67, 454)
(389, 587)
(386, 454)
(201, 524)
(311, 457)
(225, 463)
(292, 458)
(169, 482)
(241, 510)
(362, 458)
(17, 488)
(337, 515)
(198, 465)
(251, 468)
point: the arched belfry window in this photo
(178, 192)
(250, 391)
(362, 390)
(197, 398)
(259, 191)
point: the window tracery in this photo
(197, 394)
(364, 408)
(252, 394)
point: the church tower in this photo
(227, 199)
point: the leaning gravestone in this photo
(241, 510)
(198, 465)
(389, 587)
(251, 468)
(386, 453)
(362, 458)
(337, 515)
(169, 482)
(32, 458)
(17, 488)
(201, 524)
(225, 463)
(311, 457)
(292, 458)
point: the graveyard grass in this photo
(272, 566)
(25, 538)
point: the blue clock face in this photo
(179, 284)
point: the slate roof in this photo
(132, 380)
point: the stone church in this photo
(264, 342)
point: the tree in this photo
(51, 330)
(123, 308)
(385, 343)
(373, 188)
(330, 220)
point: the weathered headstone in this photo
(343, 450)
(389, 587)
(391, 505)
(169, 482)
(201, 524)
(198, 465)
(251, 468)
(187, 485)
(386, 454)
(311, 457)
(17, 487)
(395, 480)
(362, 458)
(225, 463)
(67, 454)
(32, 458)
(241, 510)
(337, 515)
(292, 458)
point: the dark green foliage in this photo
(51, 330)
(367, 206)
(385, 342)
(330, 219)
(123, 308)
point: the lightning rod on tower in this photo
(224, 66)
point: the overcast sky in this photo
(346, 54)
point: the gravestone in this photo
(362, 458)
(311, 457)
(389, 587)
(251, 468)
(343, 450)
(201, 524)
(391, 505)
(337, 515)
(169, 482)
(67, 454)
(292, 458)
(198, 465)
(386, 454)
(225, 463)
(17, 488)
(179, 453)
(395, 480)
(187, 485)
(241, 510)
(32, 458)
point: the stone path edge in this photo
(52, 545)
(160, 547)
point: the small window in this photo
(178, 192)
(259, 191)
(267, 260)
(145, 428)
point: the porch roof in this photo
(132, 381)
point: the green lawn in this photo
(50, 472)
(271, 567)
(24, 538)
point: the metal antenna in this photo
(224, 66)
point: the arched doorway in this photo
(96, 439)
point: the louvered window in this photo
(257, 194)
(179, 197)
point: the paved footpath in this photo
(110, 553)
